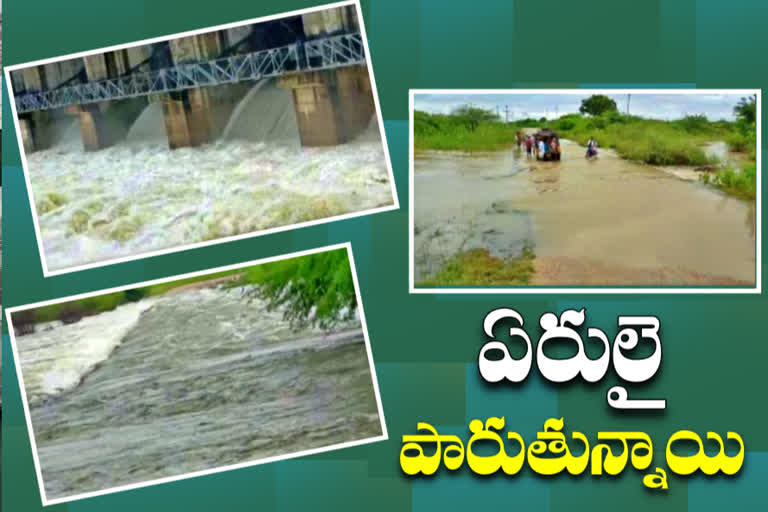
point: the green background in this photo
(424, 346)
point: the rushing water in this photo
(188, 382)
(601, 222)
(138, 196)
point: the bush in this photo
(695, 124)
(455, 132)
(741, 183)
(317, 289)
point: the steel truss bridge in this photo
(312, 55)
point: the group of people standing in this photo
(547, 148)
(543, 149)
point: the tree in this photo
(746, 109)
(316, 289)
(597, 104)
(473, 116)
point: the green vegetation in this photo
(313, 290)
(466, 129)
(736, 182)
(317, 289)
(478, 268)
(745, 138)
(655, 142)
(597, 104)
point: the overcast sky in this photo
(658, 106)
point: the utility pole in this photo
(506, 113)
(629, 98)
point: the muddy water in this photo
(138, 196)
(187, 382)
(601, 222)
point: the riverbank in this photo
(312, 290)
(24, 322)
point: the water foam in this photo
(58, 357)
(138, 196)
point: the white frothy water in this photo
(138, 196)
(205, 378)
(55, 364)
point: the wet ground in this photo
(592, 222)
(193, 381)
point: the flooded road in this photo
(138, 196)
(188, 382)
(592, 222)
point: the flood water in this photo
(599, 222)
(187, 382)
(138, 196)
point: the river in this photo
(590, 222)
(137, 196)
(187, 382)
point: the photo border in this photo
(148, 254)
(111, 490)
(618, 289)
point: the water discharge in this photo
(138, 196)
(200, 379)
(599, 222)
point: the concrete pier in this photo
(27, 137)
(332, 106)
(93, 128)
(188, 115)
(176, 126)
(35, 134)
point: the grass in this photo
(651, 141)
(486, 137)
(446, 132)
(478, 268)
(740, 183)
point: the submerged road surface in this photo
(195, 380)
(599, 222)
